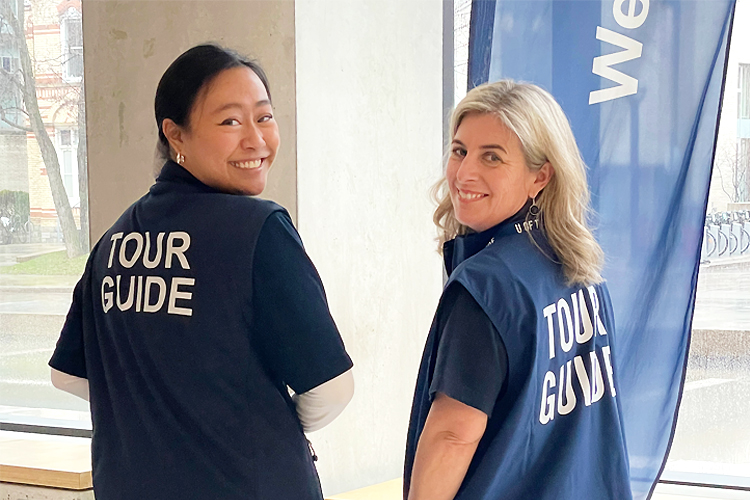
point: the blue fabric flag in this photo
(641, 82)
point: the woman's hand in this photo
(446, 447)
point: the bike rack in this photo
(726, 234)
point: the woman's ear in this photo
(543, 176)
(174, 134)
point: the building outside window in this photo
(742, 171)
(743, 89)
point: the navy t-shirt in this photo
(196, 311)
(471, 363)
(299, 342)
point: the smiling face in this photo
(487, 173)
(232, 137)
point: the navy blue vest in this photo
(556, 432)
(182, 405)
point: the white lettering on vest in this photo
(148, 294)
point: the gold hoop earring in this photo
(180, 158)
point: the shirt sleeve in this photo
(69, 356)
(76, 386)
(472, 362)
(321, 405)
(295, 333)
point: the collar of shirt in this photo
(173, 175)
(465, 246)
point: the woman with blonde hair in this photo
(516, 393)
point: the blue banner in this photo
(641, 82)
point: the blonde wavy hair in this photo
(545, 135)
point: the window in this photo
(10, 94)
(711, 441)
(13, 4)
(743, 92)
(462, 18)
(65, 138)
(67, 145)
(33, 311)
(71, 30)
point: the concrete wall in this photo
(369, 128)
(127, 47)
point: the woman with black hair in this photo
(199, 309)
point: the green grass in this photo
(51, 264)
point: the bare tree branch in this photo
(732, 165)
(14, 125)
(10, 77)
(14, 108)
(724, 189)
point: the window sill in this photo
(42, 460)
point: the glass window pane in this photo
(42, 250)
(72, 51)
(461, 20)
(712, 440)
(744, 90)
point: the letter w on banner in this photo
(641, 82)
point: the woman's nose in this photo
(253, 137)
(467, 169)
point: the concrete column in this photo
(369, 140)
(127, 47)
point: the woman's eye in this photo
(265, 118)
(230, 121)
(460, 152)
(492, 157)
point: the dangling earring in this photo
(180, 158)
(533, 209)
(532, 216)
